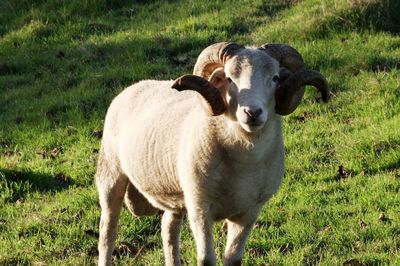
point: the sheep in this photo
(207, 145)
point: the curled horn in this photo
(291, 88)
(215, 104)
(214, 56)
(211, 58)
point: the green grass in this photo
(62, 62)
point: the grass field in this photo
(62, 62)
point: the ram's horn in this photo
(214, 102)
(291, 88)
(214, 56)
(211, 58)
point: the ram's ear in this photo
(219, 80)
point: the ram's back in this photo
(142, 131)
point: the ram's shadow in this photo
(17, 184)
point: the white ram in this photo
(219, 156)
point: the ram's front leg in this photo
(170, 228)
(239, 229)
(201, 225)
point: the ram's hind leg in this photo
(137, 204)
(111, 186)
(170, 228)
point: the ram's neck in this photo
(244, 146)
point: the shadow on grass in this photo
(387, 167)
(16, 184)
(273, 8)
(15, 260)
(380, 63)
(367, 170)
(362, 16)
(102, 69)
(380, 15)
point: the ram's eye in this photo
(275, 79)
(229, 80)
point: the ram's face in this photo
(252, 76)
(242, 83)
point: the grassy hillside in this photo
(62, 62)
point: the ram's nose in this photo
(253, 112)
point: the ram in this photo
(208, 145)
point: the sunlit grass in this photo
(62, 62)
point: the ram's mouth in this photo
(255, 123)
(252, 126)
